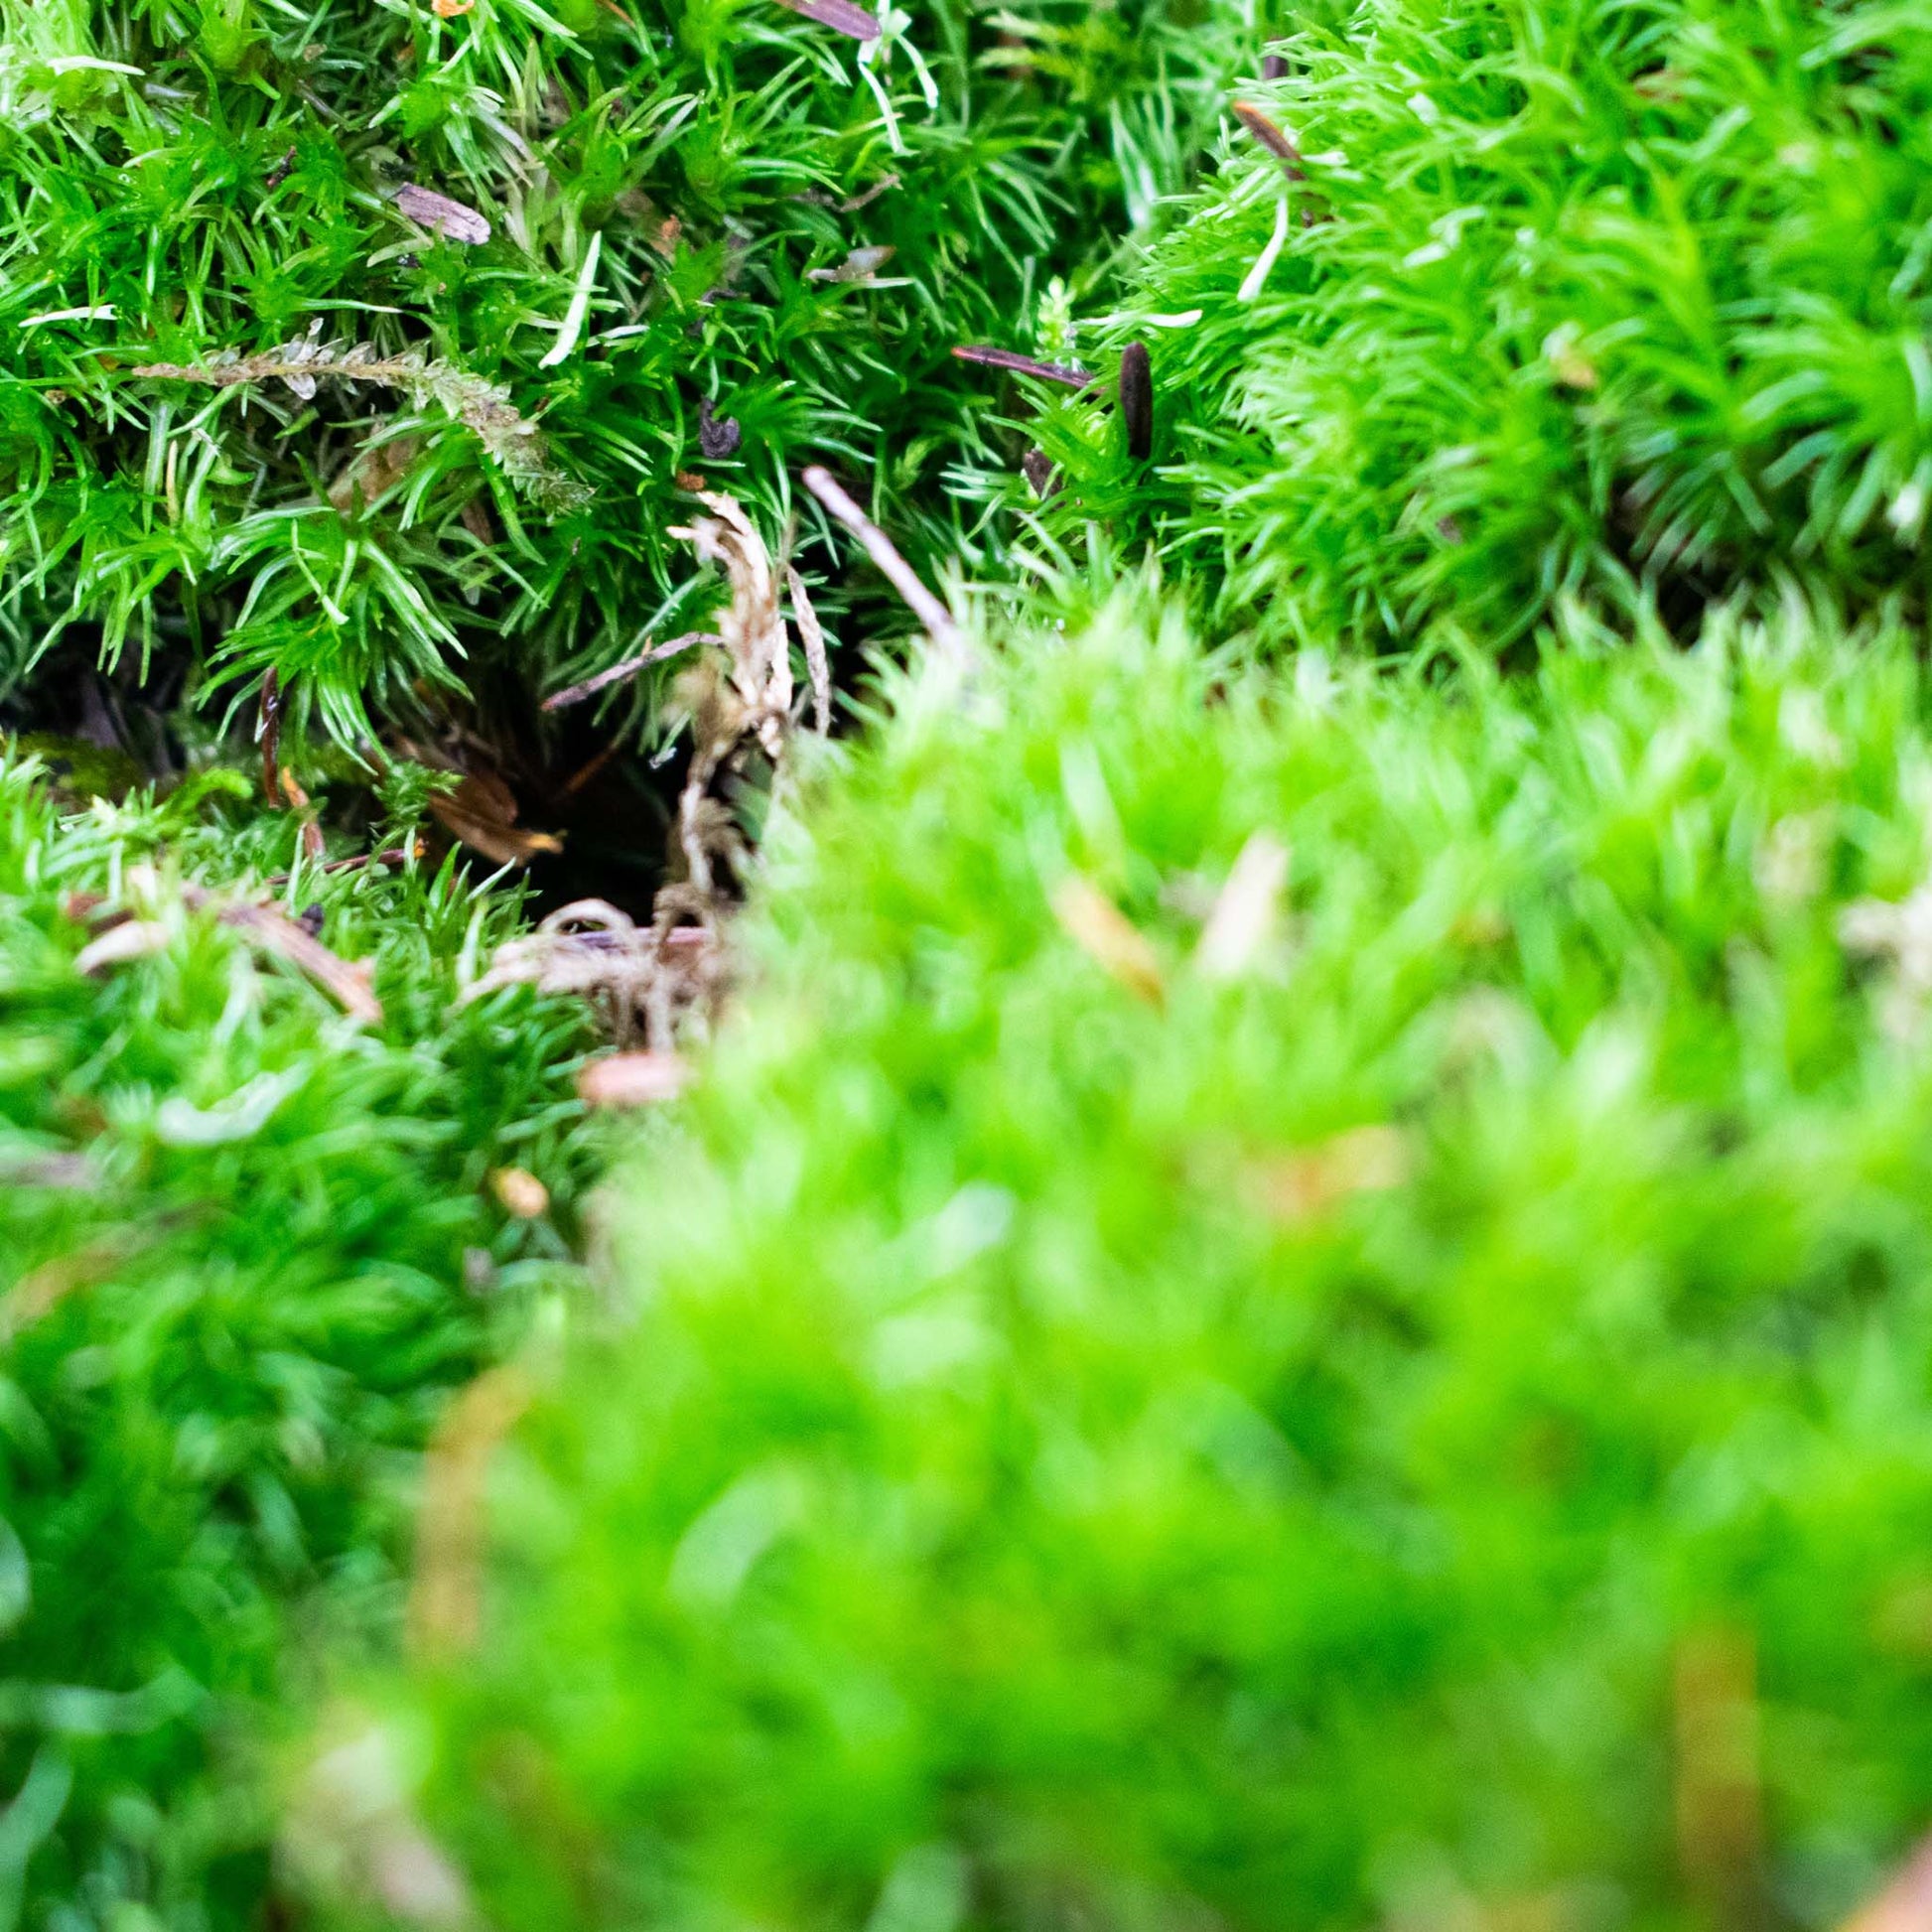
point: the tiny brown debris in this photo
(42, 1289)
(860, 266)
(1271, 137)
(451, 9)
(719, 436)
(1137, 400)
(839, 15)
(644, 1079)
(749, 626)
(937, 620)
(1292, 1190)
(519, 1193)
(1064, 373)
(375, 470)
(1719, 1795)
(1038, 468)
(1905, 1905)
(1109, 937)
(446, 1591)
(1274, 67)
(1246, 912)
(440, 216)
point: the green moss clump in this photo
(1571, 299)
(367, 343)
(1128, 1410)
(246, 1249)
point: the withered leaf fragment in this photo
(438, 212)
(482, 811)
(1137, 400)
(839, 15)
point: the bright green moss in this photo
(655, 208)
(246, 1249)
(1570, 299)
(1267, 1457)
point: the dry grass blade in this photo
(452, 220)
(1720, 1802)
(266, 929)
(812, 635)
(131, 940)
(937, 620)
(1246, 911)
(839, 15)
(749, 626)
(1137, 400)
(636, 976)
(1109, 937)
(446, 1593)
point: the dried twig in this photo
(591, 686)
(1064, 373)
(937, 620)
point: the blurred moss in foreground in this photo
(1136, 1406)
(247, 1246)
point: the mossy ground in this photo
(1295, 1290)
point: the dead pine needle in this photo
(938, 622)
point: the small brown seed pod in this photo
(1137, 400)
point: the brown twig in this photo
(1006, 359)
(631, 666)
(937, 620)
